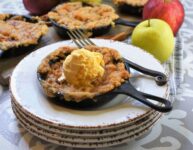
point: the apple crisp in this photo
(50, 70)
(77, 15)
(16, 33)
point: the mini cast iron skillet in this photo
(62, 30)
(16, 51)
(126, 88)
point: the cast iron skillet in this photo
(62, 30)
(16, 51)
(126, 88)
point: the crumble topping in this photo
(78, 16)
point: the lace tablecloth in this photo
(173, 132)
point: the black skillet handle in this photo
(163, 106)
(160, 78)
(125, 22)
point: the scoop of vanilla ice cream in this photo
(82, 67)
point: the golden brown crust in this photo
(16, 33)
(115, 74)
(75, 15)
(134, 3)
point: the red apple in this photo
(39, 7)
(171, 11)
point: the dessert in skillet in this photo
(76, 15)
(17, 32)
(76, 74)
(131, 6)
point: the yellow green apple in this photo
(156, 37)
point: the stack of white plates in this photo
(117, 121)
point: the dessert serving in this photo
(76, 15)
(94, 19)
(91, 74)
(17, 32)
(77, 74)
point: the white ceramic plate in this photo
(27, 92)
(84, 143)
(87, 133)
(93, 135)
(75, 139)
